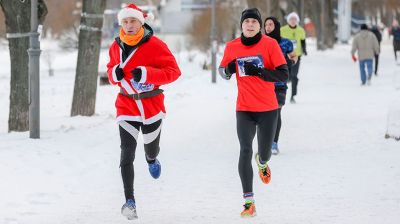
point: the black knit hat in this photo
(251, 13)
(364, 27)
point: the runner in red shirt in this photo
(258, 62)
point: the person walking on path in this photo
(258, 63)
(366, 45)
(139, 64)
(395, 32)
(375, 30)
(295, 33)
(272, 28)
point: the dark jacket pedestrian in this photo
(395, 32)
(375, 30)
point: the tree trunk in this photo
(267, 8)
(276, 11)
(384, 15)
(319, 23)
(291, 6)
(17, 16)
(329, 24)
(260, 4)
(84, 99)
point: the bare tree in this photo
(227, 22)
(330, 36)
(61, 17)
(321, 13)
(260, 4)
(17, 17)
(2, 25)
(84, 99)
(267, 8)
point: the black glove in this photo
(137, 74)
(280, 74)
(231, 68)
(119, 73)
(250, 69)
(303, 47)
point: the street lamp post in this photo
(34, 90)
(213, 44)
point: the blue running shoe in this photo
(274, 148)
(129, 210)
(155, 169)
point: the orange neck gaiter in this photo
(131, 40)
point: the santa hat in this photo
(132, 10)
(291, 15)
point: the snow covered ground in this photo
(335, 165)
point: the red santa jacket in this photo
(159, 67)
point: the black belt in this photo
(139, 96)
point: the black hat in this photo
(251, 13)
(364, 27)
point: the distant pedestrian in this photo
(395, 32)
(366, 45)
(378, 35)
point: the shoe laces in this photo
(247, 205)
(154, 164)
(265, 171)
(130, 203)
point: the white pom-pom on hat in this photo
(149, 17)
(132, 10)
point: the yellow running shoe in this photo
(263, 170)
(249, 210)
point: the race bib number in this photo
(255, 60)
(294, 43)
(142, 87)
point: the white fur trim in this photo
(129, 118)
(293, 14)
(127, 87)
(144, 74)
(155, 118)
(128, 58)
(150, 120)
(150, 137)
(129, 128)
(149, 17)
(130, 12)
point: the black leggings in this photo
(278, 126)
(293, 76)
(129, 131)
(248, 124)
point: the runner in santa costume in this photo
(258, 62)
(139, 64)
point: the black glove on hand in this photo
(303, 47)
(231, 68)
(119, 73)
(250, 69)
(137, 74)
